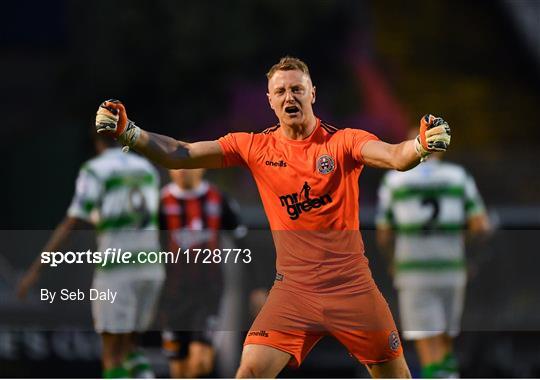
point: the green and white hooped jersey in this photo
(428, 207)
(119, 193)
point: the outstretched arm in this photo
(175, 154)
(382, 155)
(111, 119)
(434, 137)
(57, 239)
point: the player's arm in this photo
(479, 224)
(379, 154)
(111, 118)
(479, 229)
(175, 154)
(385, 239)
(434, 136)
(384, 235)
(384, 222)
(55, 242)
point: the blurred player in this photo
(118, 195)
(429, 207)
(323, 284)
(193, 212)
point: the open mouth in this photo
(291, 110)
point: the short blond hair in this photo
(288, 63)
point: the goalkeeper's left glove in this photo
(111, 119)
(434, 136)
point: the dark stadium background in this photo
(195, 70)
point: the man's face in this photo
(291, 95)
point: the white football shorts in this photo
(426, 312)
(137, 288)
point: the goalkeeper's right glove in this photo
(111, 119)
(435, 135)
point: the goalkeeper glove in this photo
(434, 136)
(111, 119)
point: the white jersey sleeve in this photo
(88, 192)
(474, 204)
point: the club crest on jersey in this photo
(393, 340)
(325, 164)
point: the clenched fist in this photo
(434, 136)
(111, 119)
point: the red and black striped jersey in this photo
(194, 219)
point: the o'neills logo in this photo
(296, 203)
(258, 333)
(279, 163)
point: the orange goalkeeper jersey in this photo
(309, 189)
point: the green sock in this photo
(138, 366)
(116, 373)
(450, 363)
(429, 371)
(445, 369)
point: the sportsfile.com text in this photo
(112, 256)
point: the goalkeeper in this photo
(323, 284)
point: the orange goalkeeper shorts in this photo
(294, 322)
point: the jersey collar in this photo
(305, 141)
